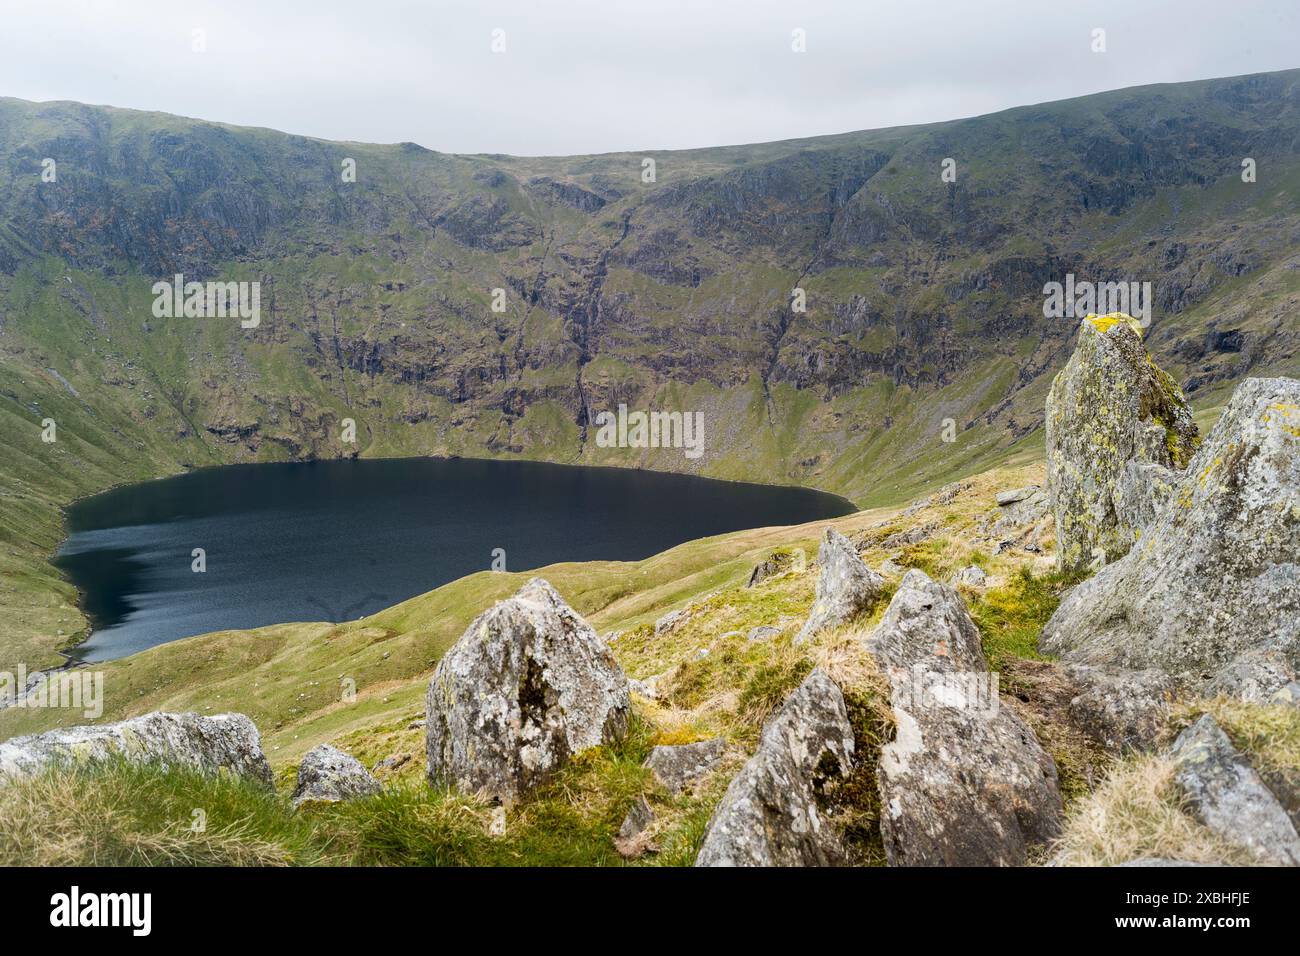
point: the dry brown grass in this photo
(1268, 733)
(1136, 813)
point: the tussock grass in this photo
(120, 814)
(1269, 734)
(1136, 812)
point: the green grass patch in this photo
(1011, 617)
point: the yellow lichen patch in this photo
(1209, 468)
(1104, 323)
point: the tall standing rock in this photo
(528, 685)
(845, 586)
(964, 782)
(1211, 593)
(221, 743)
(1110, 406)
(776, 811)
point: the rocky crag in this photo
(921, 315)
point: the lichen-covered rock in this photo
(913, 535)
(1122, 710)
(1255, 676)
(676, 765)
(964, 782)
(1211, 594)
(1109, 406)
(1143, 491)
(845, 586)
(221, 743)
(1226, 794)
(528, 685)
(776, 812)
(328, 775)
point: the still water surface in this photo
(340, 539)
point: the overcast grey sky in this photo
(583, 76)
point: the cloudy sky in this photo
(582, 76)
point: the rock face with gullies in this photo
(221, 743)
(1226, 794)
(1110, 405)
(964, 782)
(776, 812)
(528, 685)
(845, 586)
(1211, 593)
(328, 775)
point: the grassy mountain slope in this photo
(924, 297)
(289, 679)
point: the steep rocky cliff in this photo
(921, 317)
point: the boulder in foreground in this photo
(222, 743)
(775, 812)
(528, 685)
(1211, 593)
(964, 782)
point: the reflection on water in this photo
(341, 539)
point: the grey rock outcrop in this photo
(1020, 506)
(646, 688)
(965, 781)
(913, 535)
(528, 685)
(328, 775)
(635, 836)
(222, 743)
(1110, 405)
(1011, 497)
(1141, 494)
(1226, 794)
(1211, 594)
(676, 765)
(776, 810)
(671, 621)
(845, 586)
(778, 562)
(1122, 710)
